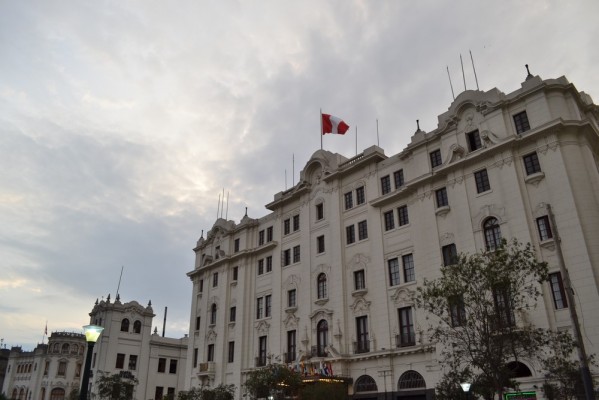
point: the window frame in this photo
(296, 254)
(544, 228)
(450, 254)
(321, 286)
(435, 158)
(359, 280)
(348, 200)
(393, 271)
(473, 139)
(350, 234)
(521, 122)
(385, 185)
(532, 165)
(320, 246)
(481, 179)
(407, 336)
(363, 230)
(402, 215)
(558, 291)
(360, 196)
(398, 178)
(441, 197)
(389, 219)
(409, 271)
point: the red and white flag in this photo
(332, 124)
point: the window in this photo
(159, 393)
(231, 355)
(482, 181)
(320, 244)
(348, 200)
(291, 299)
(267, 305)
(503, 307)
(322, 333)
(365, 383)
(531, 163)
(398, 178)
(296, 223)
(65, 348)
(557, 290)
(350, 234)
(435, 158)
(363, 344)
(402, 213)
(120, 361)
(269, 264)
(359, 280)
(215, 279)
(259, 307)
(210, 353)
(195, 357)
(261, 351)
(362, 230)
(389, 220)
(360, 197)
(261, 238)
(457, 310)
(441, 196)
(521, 122)
(161, 364)
(385, 184)
(269, 234)
(217, 252)
(261, 266)
(125, 325)
(170, 392)
(296, 254)
(137, 327)
(406, 327)
(232, 314)
(408, 268)
(132, 362)
(213, 314)
(62, 366)
(197, 323)
(235, 273)
(286, 226)
(544, 228)
(291, 346)
(319, 211)
(393, 265)
(321, 284)
(286, 257)
(492, 233)
(236, 245)
(474, 142)
(55, 394)
(172, 368)
(201, 288)
(450, 254)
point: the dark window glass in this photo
(158, 393)
(349, 200)
(319, 211)
(521, 122)
(362, 230)
(236, 245)
(393, 265)
(215, 279)
(269, 264)
(389, 220)
(474, 140)
(120, 361)
(296, 223)
(132, 362)
(235, 273)
(291, 347)
(363, 343)
(320, 244)
(125, 325)
(261, 236)
(435, 158)
(385, 184)
(172, 368)
(492, 233)
(267, 306)
(350, 234)
(408, 268)
(406, 327)
(321, 283)
(162, 365)
(441, 195)
(402, 213)
(531, 163)
(269, 234)
(195, 357)
(213, 314)
(544, 228)
(322, 332)
(503, 307)
(365, 383)
(260, 266)
(457, 310)
(232, 314)
(286, 226)
(296, 254)
(557, 290)
(198, 323)
(360, 197)
(291, 299)
(259, 307)
(359, 280)
(450, 254)
(201, 288)
(210, 355)
(286, 257)
(261, 351)
(137, 327)
(482, 181)
(398, 178)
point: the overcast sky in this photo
(122, 121)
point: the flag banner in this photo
(332, 124)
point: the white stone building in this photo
(325, 279)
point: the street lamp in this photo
(92, 332)
(466, 388)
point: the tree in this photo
(220, 392)
(481, 305)
(115, 387)
(276, 380)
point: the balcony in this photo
(405, 340)
(289, 357)
(361, 346)
(261, 361)
(206, 368)
(319, 351)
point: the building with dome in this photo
(324, 282)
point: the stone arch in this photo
(411, 380)
(365, 383)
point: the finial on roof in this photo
(155, 330)
(118, 297)
(108, 298)
(529, 75)
(246, 212)
(96, 301)
(150, 303)
(202, 235)
(418, 126)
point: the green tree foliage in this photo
(74, 394)
(115, 387)
(275, 380)
(480, 308)
(220, 392)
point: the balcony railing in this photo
(289, 357)
(405, 340)
(362, 346)
(261, 361)
(319, 351)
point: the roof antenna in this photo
(227, 212)
(529, 76)
(463, 75)
(450, 85)
(119, 285)
(474, 69)
(218, 207)
(418, 125)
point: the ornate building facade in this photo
(324, 282)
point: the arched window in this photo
(213, 314)
(43, 394)
(125, 325)
(322, 330)
(137, 326)
(75, 349)
(57, 394)
(411, 380)
(22, 394)
(492, 233)
(519, 369)
(365, 383)
(322, 286)
(56, 348)
(14, 393)
(65, 348)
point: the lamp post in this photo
(466, 388)
(92, 332)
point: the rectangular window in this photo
(162, 365)
(236, 245)
(269, 264)
(385, 184)
(215, 279)
(291, 299)
(482, 181)
(409, 274)
(531, 163)
(406, 327)
(296, 223)
(393, 271)
(170, 393)
(435, 158)
(269, 234)
(359, 280)
(350, 234)
(286, 257)
(261, 237)
(261, 351)
(441, 196)
(235, 273)
(544, 228)
(259, 307)
(450, 254)
(360, 197)
(172, 368)
(457, 310)
(402, 213)
(158, 393)
(320, 244)
(197, 323)
(287, 226)
(217, 252)
(62, 367)
(261, 266)
(319, 211)
(389, 220)
(362, 230)
(201, 288)
(503, 307)
(363, 344)
(232, 314)
(557, 290)
(291, 346)
(195, 357)
(398, 178)
(296, 254)
(474, 142)
(120, 361)
(132, 362)
(231, 356)
(210, 355)
(348, 200)
(521, 122)
(267, 305)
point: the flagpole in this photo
(321, 129)
(377, 133)
(356, 139)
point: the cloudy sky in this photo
(122, 121)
